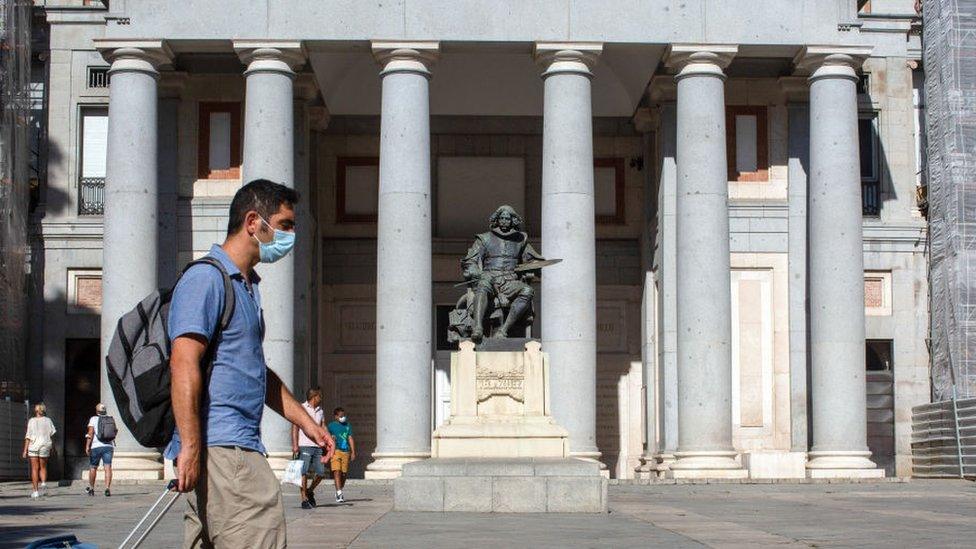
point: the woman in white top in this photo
(37, 447)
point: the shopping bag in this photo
(293, 473)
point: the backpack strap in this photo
(230, 299)
(227, 310)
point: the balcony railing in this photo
(870, 198)
(91, 196)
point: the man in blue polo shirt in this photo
(233, 497)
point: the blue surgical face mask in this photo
(280, 245)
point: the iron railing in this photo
(870, 197)
(91, 196)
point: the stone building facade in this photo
(731, 188)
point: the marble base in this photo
(501, 485)
(707, 474)
(775, 464)
(389, 465)
(706, 464)
(842, 464)
(845, 473)
(500, 407)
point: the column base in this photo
(592, 456)
(389, 465)
(134, 466)
(706, 464)
(647, 469)
(842, 464)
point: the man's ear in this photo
(250, 219)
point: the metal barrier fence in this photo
(13, 425)
(944, 439)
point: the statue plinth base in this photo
(501, 450)
(500, 406)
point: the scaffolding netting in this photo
(950, 93)
(15, 63)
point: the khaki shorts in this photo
(42, 451)
(237, 503)
(340, 461)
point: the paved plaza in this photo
(913, 514)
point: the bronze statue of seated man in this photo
(497, 269)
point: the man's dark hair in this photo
(262, 196)
(337, 410)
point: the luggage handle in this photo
(170, 487)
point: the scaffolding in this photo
(950, 94)
(15, 64)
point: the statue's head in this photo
(506, 219)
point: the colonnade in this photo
(568, 317)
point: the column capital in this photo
(280, 56)
(567, 57)
(405, 56)
(831, 61)
(699, 59)
(146, 56)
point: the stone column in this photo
(836, 268)
(568, 319)
(404, 298)
(130, 221)
(269, 153)
(704, 325)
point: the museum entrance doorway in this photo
(881, 403)
(82, 390)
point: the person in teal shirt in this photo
(345, 450)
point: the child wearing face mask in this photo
(345, 450)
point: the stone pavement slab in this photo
(913, 514)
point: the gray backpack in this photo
(138, 362)
(107, 430)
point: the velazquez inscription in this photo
(502, 383)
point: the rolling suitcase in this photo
(173, 496)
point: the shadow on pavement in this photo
(21, 536)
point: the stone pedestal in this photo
(500, 406)
(501, 450)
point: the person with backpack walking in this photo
(37, 448)
(100, 447)
(233, 497)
